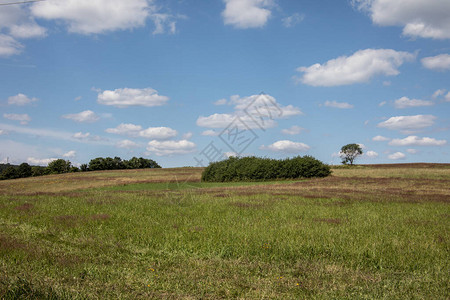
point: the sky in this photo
(187, 82)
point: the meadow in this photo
(367, 232)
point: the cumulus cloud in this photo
(438, 93)
(9, 46)
(164, 148)
(87, 116)
(70, 154)
(210, 132)
(40, 161)
(221, 102)
(438, 63)
(158, 133)
(408, 124)
(256, 111)
(286, 146)
(132, 97)
(22, 118)
(357, 68)
(397, 155)
(380, 138)
(335, 104)
(154, 133)
(293, 130)
(371, 154)
(413, 140)
(405, 102)
(17, 23)
(293, 20)
(245, 14)
(94, 16)
(125, 129)
(21, 100)
(419, 18)
(126, 144)
(80, 135)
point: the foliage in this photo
(59, 166)
(256, 168)
(350, 152)
(24, 170)
(117, 163)
(10, 173)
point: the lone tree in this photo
(349, 153)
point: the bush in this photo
(255, 168)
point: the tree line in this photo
(60, 166)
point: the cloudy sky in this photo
(185, 82)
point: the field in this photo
(368, 232)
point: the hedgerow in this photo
(257, 168)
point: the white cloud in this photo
(221, 102)
(22, 118)
(256, 111)
(3, 132)
(371, 154)
(154, 133)
(87, 116)
(21, 100)
(126, 144)
(408, 124)
(293, 20)
(335, 104)
(163, 148)
(158, 133)
(357, 68)
(9, 46)
(125, 129)
(70, 154)
(405, 102)
(210, 132)
(94, 16)
(438, 93)
(387, 83)
(397, 155)
(80, 135)
(247, 13)
(439, 62)
(419, 18)
(413, 140)
(293, 130)
(40, 162)
(380, 138)
(164, 23)
(286, 146)
(382, 103)
(230, 153)
(17, 23)
(412, 151)
(447, 97)
(132, 97)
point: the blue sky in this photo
(185, 82)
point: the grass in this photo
(363, 233)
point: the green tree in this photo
(349, 153)
(59, 166)
(9, 173)
(24, 170)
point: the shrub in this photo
(256, 168)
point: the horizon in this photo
(186, 84)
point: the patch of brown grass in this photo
(26, 207)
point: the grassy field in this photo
(372, 232)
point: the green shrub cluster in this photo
(256, 168)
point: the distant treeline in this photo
(60, 166)
(256, 168)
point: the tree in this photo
(59, 166)
(349, 152)
(10, 173)
(24, 170)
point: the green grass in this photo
(344, 237)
